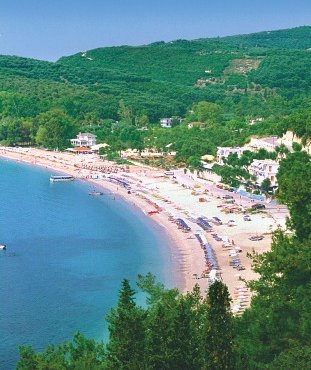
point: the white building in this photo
(254, 121)
(264, 169)
(224, 152)
(166, 122)
(84, 139)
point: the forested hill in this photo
(162, 79)
(165, 78)
(294, 38)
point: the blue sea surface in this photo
(67, 254)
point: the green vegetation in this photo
(295, 38)
(221, 82)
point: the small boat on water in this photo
(60, 178)
(2, 247)
(94, 192)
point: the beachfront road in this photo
(277, 211)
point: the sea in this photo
(67, 253)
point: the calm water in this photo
(67, 253)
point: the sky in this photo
(49, 29)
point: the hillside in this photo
(241, 77)
(294, 38)
(163, 79)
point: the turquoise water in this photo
(67, 254)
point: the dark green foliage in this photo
(285, 70)
(125, 349)
(280, 314)
(295, 358)
(295, 38)
(173, 334)
(232, 176)
(300, 122)
(80, 354)
(219, 329)
(294, 178)
(55, 128)
(265, 185)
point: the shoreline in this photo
(163, 198)
(179, 249)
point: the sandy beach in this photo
(167, 198)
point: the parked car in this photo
(256, 238)
(258, 206)
(227, 196)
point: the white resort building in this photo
(84, 139)
(264, 169)
(224, 152)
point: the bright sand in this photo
(150, 185)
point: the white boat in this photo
(2, 247)
(94, 192)
(59, 178)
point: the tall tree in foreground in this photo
(160, 330)
(125, 349)
(218, 343)
(172, 327)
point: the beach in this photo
(166, 198)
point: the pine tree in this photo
(172, 331)
(218, 339)
(125, 349)
(159, 339)
(184, 343)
